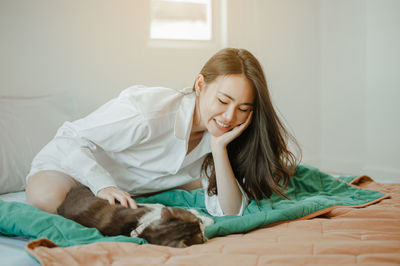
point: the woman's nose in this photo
(229, 114)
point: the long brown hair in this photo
(260, 158)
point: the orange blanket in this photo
(339, 235)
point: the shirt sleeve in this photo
(212, 203)
(114, 127)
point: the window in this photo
(183, 23)
(181, 20)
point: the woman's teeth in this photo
(221, 124)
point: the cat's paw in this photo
(206, 221)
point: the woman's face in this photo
(224, 103)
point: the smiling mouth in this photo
(220, 124)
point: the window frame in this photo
(218, 31)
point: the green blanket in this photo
(309, 190)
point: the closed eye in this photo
(221, 101)
(240, 109)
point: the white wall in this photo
(92, 48)
(383, 89)
(343, 85)
(288, 45)
(360, 87)
(332, 66)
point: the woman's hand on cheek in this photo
(223, 140)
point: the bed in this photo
(337, 235)
(12, 249)
(341, 220)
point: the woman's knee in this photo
(47, 189)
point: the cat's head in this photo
(175, 228)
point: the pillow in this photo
(26, 125)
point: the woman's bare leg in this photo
(190, 186)
(48, 189)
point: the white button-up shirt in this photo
(137, 142)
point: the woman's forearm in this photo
(229, 195)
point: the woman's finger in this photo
(126, 200)
(132, 203)
(121, 197)
(248, 120)
(239, 129)
(110, 199)
(123, 201)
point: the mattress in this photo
(361, 235)
(369, 235)
(12, 249)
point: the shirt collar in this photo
(184, 114)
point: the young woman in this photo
(151, 139)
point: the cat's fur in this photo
(156, 223)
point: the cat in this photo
(155, 223)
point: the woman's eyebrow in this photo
(233, 99)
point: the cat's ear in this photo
(167, 213)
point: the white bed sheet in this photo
(12, 249)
